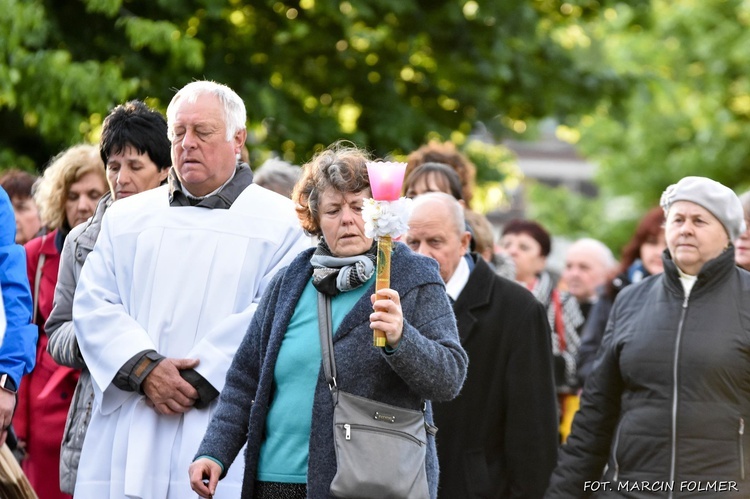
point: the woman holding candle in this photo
(275, 398)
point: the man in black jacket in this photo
(498, 438)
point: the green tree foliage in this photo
(387, 75)
(686, 110)
(688, 107)
(497, 175)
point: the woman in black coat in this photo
(663, 412)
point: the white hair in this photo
(278, 175)
(235, 114)
(606, 258)
(454, 207)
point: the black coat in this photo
(498, 438)
(669, 395)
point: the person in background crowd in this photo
(641, 257)
(588, 262)
(66, 196)
(433, 177)
(446, 153)
(278, 176)
(18, 347)
(274, 382)
(667, 400)
(439, 177)
(742, 243)
(484, 238)
(19, 185)
(481, 231)
(498, 438)
(164, 297)
(135, 150)
(529, 244)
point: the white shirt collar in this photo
(458, 280)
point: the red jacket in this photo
(45, 394)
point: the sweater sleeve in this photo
(429, 357)
(228, 428)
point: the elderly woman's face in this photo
(83, 195)
(130, 172)
(340, 220)
(694, 236)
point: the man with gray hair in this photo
(278, 175)
(166, 296)
(498, 438)
(588, 263)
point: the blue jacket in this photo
(18, 351)
(429, 363)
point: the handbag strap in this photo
(325, 329)
(38, 280)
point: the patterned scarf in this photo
(333, 275)
(565, 318)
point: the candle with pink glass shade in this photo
(386, 180)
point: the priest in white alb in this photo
(167, 295)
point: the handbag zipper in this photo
(349, 427)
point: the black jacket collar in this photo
(713, 272)
(223, 199)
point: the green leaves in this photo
(386, 74)
(164, 38)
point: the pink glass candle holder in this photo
(386, 179)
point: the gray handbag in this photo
(380, 448)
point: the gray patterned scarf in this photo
(333, 275)
(565, 343)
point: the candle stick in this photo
(385, 217)
(382, 279)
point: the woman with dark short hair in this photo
(136, 154)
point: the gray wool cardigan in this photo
(429, 364)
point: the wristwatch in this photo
(7, 384)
